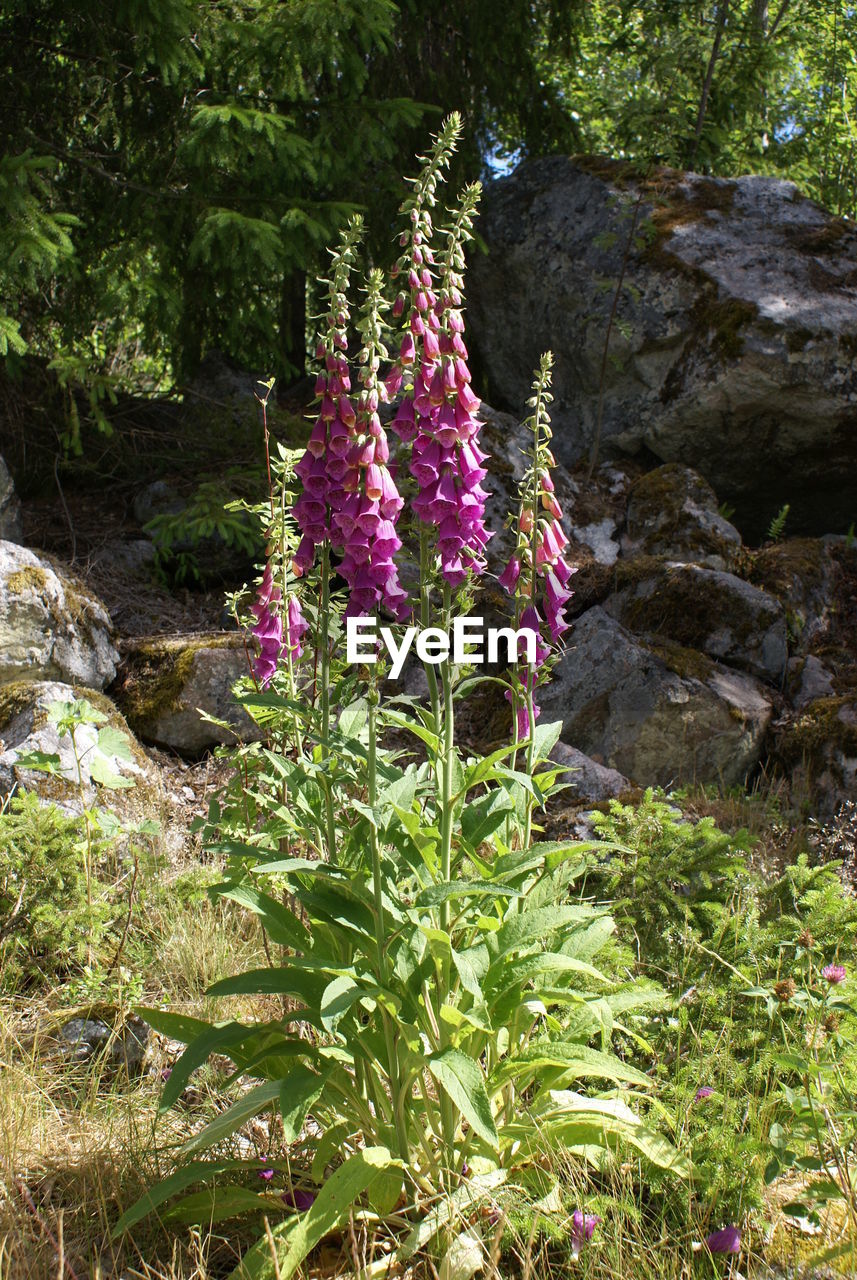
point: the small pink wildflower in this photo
(834, 974)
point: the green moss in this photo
(15, 697)
(156, 674)
(788, 568)
(822, 724)
(688, 663)
(30, 578)
(721, 322)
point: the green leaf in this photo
(298, 1091)
(226, 1123)
(435, 894)
(462, 1080)
(102, 772)
(198, 1171)
(339, 995)
(281, 924)
(215, 1039)
(219, 1203)
(297, 1238)
(571, 1061)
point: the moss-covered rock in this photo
(168, 684)
(26, 726)
(657, 712)
(51, 626)
(672, 512)
(708, 610)
(817, 749)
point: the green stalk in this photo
(396, 1091)
(324, 641)
(446, 801)
(425, 621)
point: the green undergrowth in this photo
(706, 911)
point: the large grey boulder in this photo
(51, 626)
(11, 524)
(732, 347)
(26, 727)
(168, 685)
(658, 713)
(724, 616)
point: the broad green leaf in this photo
(295, 979)
(339, 995)
(216, 1204)
(431, 740)
(354, 718)
(281, 925)
(298, 1091)
(482, 817)
(530, 926)
(228, 1121)
(102, 772)
(297, 1238)
(215, 1039)
(197, 1171)
(545, 737)
(435, 894)
(571, 1061)
(462, 1080)
(113, 742)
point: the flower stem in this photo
(396, 1092)
(324, 644)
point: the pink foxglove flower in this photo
(726, 1240)
(364, 522)
(582, 1229)
(296, 628)
(268, 628)
(298, 1199)
(324, 467)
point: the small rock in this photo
(672, 512)
(134, 558)
(25, 727)
(817, 749)
(809, 679)
(51, 626)
(85, 1038)
(11, 523)
(587, 780)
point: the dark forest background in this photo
(172, 170)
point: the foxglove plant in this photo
(418, 1059)
(537, 573)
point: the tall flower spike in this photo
(537, 573)
(446, 460)
(323, 466)
(366, 519)
(416, 299)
